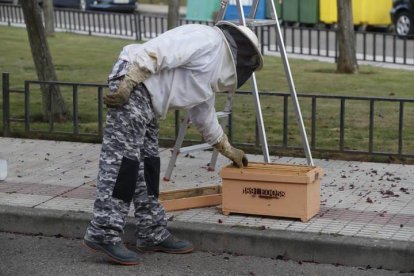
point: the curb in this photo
(298, 246)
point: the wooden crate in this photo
(191, 198)
(272, 189)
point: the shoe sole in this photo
(98, 249)
(184, 251)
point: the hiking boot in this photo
(116, 252)
(170, 245)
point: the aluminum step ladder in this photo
(250, 21)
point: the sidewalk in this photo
(367, 209)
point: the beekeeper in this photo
(180, 69)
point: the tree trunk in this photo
(347, 62)
(53, 103)
(173, 13)
(49, 17)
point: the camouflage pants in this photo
(128, 164)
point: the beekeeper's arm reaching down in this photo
(204, 118)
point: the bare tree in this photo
(52, 100)
(347, 62)
(173, 13)
(49, 17)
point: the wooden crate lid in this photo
(272, 172)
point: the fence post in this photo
(89, 23)
(176, 122)
(6, 105)
(8, 16)
(137, 19)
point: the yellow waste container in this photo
(328, 12)
(376, 12)
(364, 12)
(358, 10)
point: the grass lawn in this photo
(80, 58)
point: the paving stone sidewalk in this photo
(358, 199)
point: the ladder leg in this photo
(260, 123)
(228, 106)
(292, 88)
(177, 146)
(222, 11)
(259, 116)
(213, 161)
(253, 9)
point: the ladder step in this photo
(257, 22)
(195, 148)
(222, 114)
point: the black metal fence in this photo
(26, 121)
(322, 137)
(311, 41)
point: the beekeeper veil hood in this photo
(244, 46)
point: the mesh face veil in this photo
(244, 47)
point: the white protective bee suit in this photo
(187, 65)
(182, 68)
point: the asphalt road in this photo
(37, 255)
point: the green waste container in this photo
(290, 10)
(204, 10)
(278, 6)
(308, 11)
